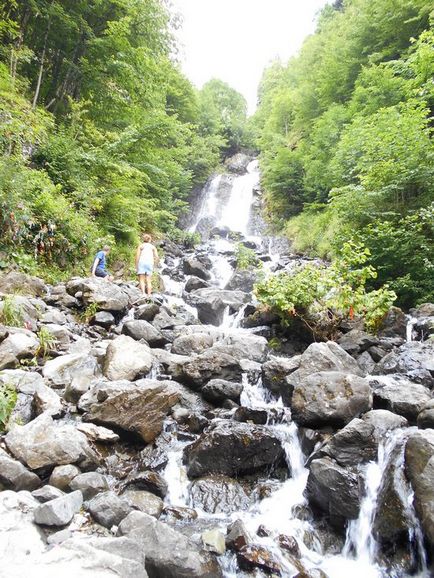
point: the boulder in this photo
(334, 490)
(414, 359)
(108, 509)
(242, 280)
(127, 359)
(15, 282)
(356, 443)
(238, 163)
(60, 511)
(425, 419)
(218, 495)
(275, 372)
(14, 476)
(212, 303)
(45, 400)
(218, 390)
(106, 296)
(140, 410)
(89, 484)
(214, 541)
(210, 364)
(140, 329)
(194, 283)
(98, 433)
(231, 449)
(257, 557)
(148, 480)
(356, 341)
(394, 324)
(419, 468)
(62, 476)
(194, 343)
(384, 421)
(103, 319)
(192, 266)
(19, 344)
(72, 368)
(43, 443)
(26, 383)
(243, 345)
(47, 493)
(168, 552)
(399, 395)
(330, 398)
(144, 501)
(237, 535)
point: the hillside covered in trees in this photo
(101, 135)
(345, 134)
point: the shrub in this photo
(322, 297)
(8, 399)
(245, 257)
(11, 313)
(47, 342)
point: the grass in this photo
(314, 232)
(47, 342)
(8, 399)
(11, 313)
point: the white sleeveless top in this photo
(147, 254)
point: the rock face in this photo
(192, 266)
(419, 467)
(231, 449)
(330, 398)
(414, 359)
(127, 359)
(140, 410)
(42, 443)
(167, 551)
(400, 396)
(219, 495)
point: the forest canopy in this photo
(345, 137)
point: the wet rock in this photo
(140, 410)
(98, 433)
(419, 467)
(147, 311)
(150, 481)
(399, 395)
(217, 390)
(144, 501)
(72, 367)
(214, 541)
(334, 490)
(192, 266)
(366, 363)
(356, 341)
(330, 398)
(194, 343)
(394, 324)
(106, 296)
(62, 444)
(141, 329)
(208, 365)
(194, 283)
(218, 495)
(167, 551)
(62, 476)
(14, 476)
(15, 282)
(238, 163)
(414, 359)
(312, 573)
(90, 484)
(425, 419)
(127, 359)
(244, 346)
(104, 319)
(108, 509)
(237, 536)
(383, 421)
(60, 511)
(243, 280)
(275, 372)
(231, 449)
(47, 493)
(211, 303)
(289, 544)
(356, 443)
(19, 344)
(179, 513)
(254, 556)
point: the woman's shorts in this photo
(100, 272)
(144, 269)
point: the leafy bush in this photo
(47, 342)
(322, 297)
(11, 314)
(246, 258)
(8, 399)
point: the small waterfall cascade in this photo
(236, 214)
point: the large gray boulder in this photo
(330, 398)
(190, 344)
(140, 409)
(425, 419)
(106, 296)
(89, 484)
(243, 346)
(71, 368)
(399, 395)
(238, 163)
(231, 449)
(210, 364)
(108, 509)
(211, 303)
(354, 444)
(144, 501)
(19, 344)
(127, 359)
(276, 371)
(192, 266)
(60, 511)
(218, 390)
(140, 329)
(62, 476)
(384, 421)
(414, 359)
(357, 341)
(419, 467)
(44, 443)
(168, 553)
(334, 490)
(243, 280)
(15, 282)
(14, 476)
(219, 495)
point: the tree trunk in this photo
(41, 66)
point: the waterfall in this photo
(236, 214)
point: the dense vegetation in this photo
(345, 134)
(101, 135)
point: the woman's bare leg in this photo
(142, 283)
(148, 284)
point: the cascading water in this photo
(282, 511)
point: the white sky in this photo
(235, 39)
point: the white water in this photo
(236, 214)
(209, 203)
(411, 322)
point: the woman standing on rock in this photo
(146, 259)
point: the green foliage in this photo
(186, 238)
(8, 399)
(47, 342)
(245, 257)
(89, 313)
(11, 313)
(322, 297)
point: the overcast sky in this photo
(235, 39)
